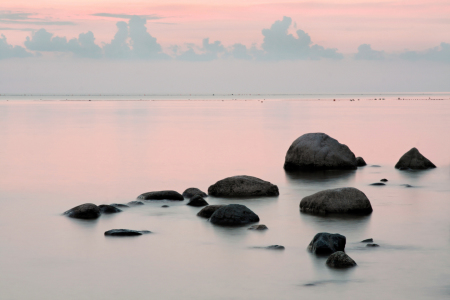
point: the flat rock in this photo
(315, 151)
(233, 214)
(326, 243)
(243, 186)
(345, 200)
(414, 160)
(120, 205)
(191, 192)
(85, 211)
(125, 232)
(207, 211)
(407, 185)
(384, 180)
(197, 200)
(375, 166)
(372, 245)
(367, 241)
(161, 195)
(165, 206)
(378, 183)
(360, 162)
(258, 227)
(271, 247)
(340, 260)
(136, 202)
(109, 209)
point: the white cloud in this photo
(9, 51)
(439, 53)
(365, 52)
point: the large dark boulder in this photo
(326, 243)
(233, 214)
(340, 260)
(414, 160)
(161, 195)
(191, 192)
(109, 209)
(125, 232)
(84, 211)
(345, 200)
(243, 186)
(198, 201)
(360, 162)
(207, 211)
(318, 151)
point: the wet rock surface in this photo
(125, 232)
(326, 243)
(120, 205)
(161, 195)
(191, 192)
(414, 160)
(367, 241)
(243, 186)
(340, 259)
(346, 200)
(318, 151)
(207, 211)
(233, 214)
(198, 201)
(372, 245)
(87, 211)
(109, 209)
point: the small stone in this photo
(275, 247)
(191, 192)
(414, 160)
(360, 162)
(161, 195)
(258, 227)
(165, 206)
(109, 209)
(384, 180)
(125, 232)
(325, 243)
(372, 245)
(340, 260)
(375, 166)
(233, 214)
(243, 186)
(378, 183)
(367, 241)
(85, 211)
(136, 202)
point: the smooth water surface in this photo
(58, 154)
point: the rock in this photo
(375, 166)
(360, 162)
(243, 186)
(191, 192)
(109, 209)
(85, 211)
(233, 214)
(340, 260)
(258, 227)
(372, 245)
(325, 243)
(345, 200)
(414, 160)
(407, 185)
(165, 206)
(384, 180)
(207, 211)
(125, 232)
(136, 202)
(367, 241)
(197, 200)
(314, 151)
(119, 205)
(378, 183)
(161, 195)
(275, 247)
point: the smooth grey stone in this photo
(372, 245)
(207, 211)
(326, 243)
(367, 241)
(161, 195)
(258, 227)
(414, 160)
(125, 232)
(243, 186)
(165, 206)
(197, 200)
(313, 151)
(191, 192)
(85, 211)
(345, 200)
(109, 209)
(275, 247)
(378, 183)
(360, 162)
(233, 214)
(384, 180)
(119, 205)
(340, 260)
(375, 166)
(136, 202)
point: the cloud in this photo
(440, 53)
(365, 52)
(9, 51)
(208, 51)
(9, 17)
(17, 29)
(126, 16)
(119, 47)
(84, 46)
(240, 51)
(279, 45)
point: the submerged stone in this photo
(161, 195)
(207, 211)
(243, 186)
(340, 260)
(233, 214)
(85, 211)
(414, 160)
(326, 243)
(125, 232)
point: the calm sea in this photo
(57, 154)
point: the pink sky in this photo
(386, 25)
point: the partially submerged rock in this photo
(125, 232)
(258, 227)
(136, 202)
(340, 260)
(326, 243)
(243, 186)
(272, 247)
(384, 180)
(414, 160)
(378, 183)
(207, 211)
(120, 205)
(191, 192)
(197, 200)
(360, 162)
(345, 200)
(161, 195)
(372, 245)
(165, 206)
(85, 211)
(314, 151)
(109, 209)
(367, 241)
(233, 214)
